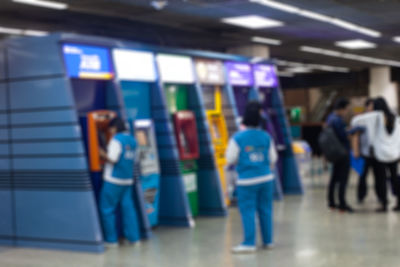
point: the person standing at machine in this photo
(384, 129)
(253, 152)
(341, 168)
(117, 185)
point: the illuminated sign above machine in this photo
(134, 65)
(210, 72)
(265, 75)
(175, 69)
(239, 74)
(87, 62)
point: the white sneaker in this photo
(130, 243)
(268, 246)
(243, 249)
(111, 244)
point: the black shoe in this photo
(346, 209)
(382, 210)
(397, 208)
(333, 206)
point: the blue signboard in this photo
(87, 62)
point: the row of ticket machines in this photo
(94, 71)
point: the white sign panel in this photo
(134, 65)
(175, 69)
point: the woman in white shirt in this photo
(383, 129)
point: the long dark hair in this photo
(380, 104)
(118, 123)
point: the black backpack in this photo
(330, 146)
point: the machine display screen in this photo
(239, 74)
(210, 72)
(134, 65)
(265, 75)
(175, 69)
(142, 137)
(87, 62)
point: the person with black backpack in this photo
(341, 164)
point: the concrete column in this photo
(254, 50)
(381, 85)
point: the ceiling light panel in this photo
(263, 40)
(316, 16)
(396, 39)
(252, 22)
(43, 3)
(355, 57)
(355, 44)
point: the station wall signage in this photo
(133, 65)
(265, 75)
(175, 69)
(210, 72)
(239, 74)
(87, 62)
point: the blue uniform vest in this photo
(253, 160)
(123, 169)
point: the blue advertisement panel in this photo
(87, 62)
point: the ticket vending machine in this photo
(149, 167)
(188, 147)
(211, 76)
(96, 100)
(90, 71)
(136, 75)
(177, 77)
(276, 124)
(241, 81)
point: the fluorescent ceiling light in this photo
(355, 44)
(396, 39)
(252, 22)
(311, 66)
(366, 59)
(263, 40)
(277, 5)
(316, 16)
(43, 3)
(34, 33)
(15, 31)
(299, 70)
(11, 31)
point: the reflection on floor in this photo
(307, 235)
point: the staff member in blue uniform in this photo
(253, 152)
(117, 186)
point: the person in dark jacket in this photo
(341, 168)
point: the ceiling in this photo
(196, 24)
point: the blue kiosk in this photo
(270, 95)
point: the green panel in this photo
(193, 202)
(190, 181)
(176, 96)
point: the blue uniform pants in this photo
(258, 199)
(111, 196)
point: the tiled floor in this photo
(307, 235)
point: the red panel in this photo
(186, 134)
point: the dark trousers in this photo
(362, 188)
(383, 171)
(339, 178)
